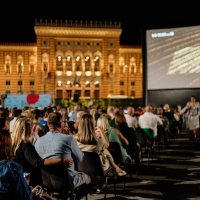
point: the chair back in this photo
(141, 138)
(56, 178)
(149, 133)
(115, 151)
(91, 163)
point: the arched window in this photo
(111, 60)
(96, 84)
(96, 64)
(87, 84)
(132, 66)
(78, 63)
(69, 63)
(87, 63)
(121, 65)
(7, 62)
(59, 63)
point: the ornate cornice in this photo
(17, 48)
(76, 31)
(130, 50)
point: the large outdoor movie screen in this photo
(173, 58)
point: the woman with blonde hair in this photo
(30, 114)
(167, 112)
(87, 141)
(24, 153)
(113, 135)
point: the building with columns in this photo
(72, 57)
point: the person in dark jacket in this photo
(12, 183)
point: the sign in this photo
(20, 101)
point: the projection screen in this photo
(173, 58)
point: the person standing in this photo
(193, 116)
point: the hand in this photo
(68, 162)
(99, 129)
(66, 130)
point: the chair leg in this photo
(148, 157)
(124, 183)
(106, 187)
(114, 185)
(130, 171)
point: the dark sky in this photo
(17, 18)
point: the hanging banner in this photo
(34, 100)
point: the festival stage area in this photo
(174, 174)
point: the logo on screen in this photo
(163, 34)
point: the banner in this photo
(34, 100)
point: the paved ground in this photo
(174, 174)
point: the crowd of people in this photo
(33, 138)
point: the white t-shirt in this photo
(12, 124)
(176, 117)
(149, 120)
(111, 115)
(131, 121)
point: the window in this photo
(68, 93)
(32, 69)
(59, 94)
(78, 63)
(121, 83)
(78, 43)
(58, 43)
(132, 93)
(87, 93)
(20, 69)
(88, 44)
(132, 70)
(96, 64)
(78, 92)
(132, 83)
(87, 63)
(121, 70)
(68, 43)
(7, 82)
(59, 58)
(69, 63)
(121, 92)
(97, 44)
(32, 83)
(96, 94)
(45, 67)
(7, 69)
(19, 82)
(111, 68)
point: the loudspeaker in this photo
(76, 97)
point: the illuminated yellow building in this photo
(89, 53)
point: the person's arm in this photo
(77, 154)
(123, 139)
(103, 136)
(36, 161)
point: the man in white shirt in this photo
(17, 113)
(131, 121)
(150, 120)
(110, 110)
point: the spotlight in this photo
(126, 65)
(68, 82)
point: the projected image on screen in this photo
(173, 58)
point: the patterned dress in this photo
(193, 117)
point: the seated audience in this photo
(57, 145)
(74, 116)
(24, 153)
(12, 183)
(47, 112)
(17, 113)
(110, 110)
(165, 119)
(127, 132)
(131, 121)
(167, 112)
(150, 120)
(63, 112)
(38, 129)
(112, 123)
(112, 135)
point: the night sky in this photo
(17, 18)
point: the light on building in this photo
(59, 58)
(96, 57)
(22, 64)
(87, 57)
(97, 82)
(59, 73)
(68, 58)
(69, 73)
(88, 73)
(78, 73)
(59, 83)
(126, 65)
(87, 82)
(68, 82)
(78, 58)
(98, 73)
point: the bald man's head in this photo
(148, 109)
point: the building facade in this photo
(68, 58)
